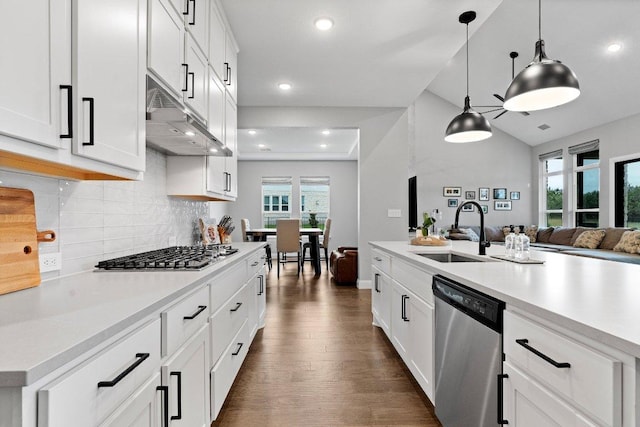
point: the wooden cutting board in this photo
(19, 265)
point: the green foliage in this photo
(313, 221)
(554, 199)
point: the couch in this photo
(344, 264)
(557, 239)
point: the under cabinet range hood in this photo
(174, 130)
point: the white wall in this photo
(343, 201)
(382, 165)
(617, 139)
(501, 161)
(97, 220)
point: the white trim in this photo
(363, 284)
(573, 208)
(612, 184)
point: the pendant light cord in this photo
(467, 59)
(539, 19)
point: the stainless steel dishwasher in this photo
(468, 355)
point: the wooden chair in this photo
(288, 239)
(324, 244)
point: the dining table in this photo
(313, 234)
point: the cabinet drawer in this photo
(227, 321)
(255, 263)
(381, 260)
(416, 280)
(183, 319)
(224, 372)
(227, 284)
(89, 393)
(592, 381)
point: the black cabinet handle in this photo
(524, 342)
(201, 308)
(238, 305)
(193, 85)
(226, 72)
(141, 358)
(165, 401)
(376, 286)
(501, 419)
(193, 15)
(261, 288)
(378, 258)
(186, 77)
(404, 308)
(91, 140)
(69, 90)
(187, 11)
(255, 264)
(228, 81)
(237, 352)
(178, 375)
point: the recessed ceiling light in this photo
(189, 133)
(213, 150)
(284, 86)
(323, 24)
(326, 132)
(323, 145)
(614, 47)
(252, 132)
(261, 145)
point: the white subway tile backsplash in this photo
(97, 220)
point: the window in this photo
(627, 193)
(552, 183)
(314, 201)
(276, 193)
(586, 188)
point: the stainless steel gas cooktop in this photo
(175, 258)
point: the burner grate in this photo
(181, 258)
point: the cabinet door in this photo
(231, 142)
(400, 322)
(196, 21)
(216, 174)
(36, 57)
(217, 35)
(166, 45)
(196, 94)
(262, 297)
(231, 58)
(420, 316)
(381, 300)
(109, 52)
(529, 404)
(217, 105)
(142, 409)
(186, 374)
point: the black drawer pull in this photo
(237, 352)
(501, 419)
(201, 308)
(187, 11)
(165, 402)
(193, 85)
(69, 133)
(255, 264)
(141, 358)
(378, 259)
(178, 375)
(193, 15)
(186, 77)
(524, 342)
(226, 72)
(238, 305)
(376, 286)
(261, 288)
(404, 308)
(91, 140)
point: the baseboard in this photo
(363, 284)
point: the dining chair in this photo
(246, 225)
(288, 239)
(324, 243)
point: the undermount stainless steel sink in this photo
(453, 258)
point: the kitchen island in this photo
(588, 306)
(51, 333)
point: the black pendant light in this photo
(544, 83)
(470, 126)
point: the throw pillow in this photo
(629, 242)
(544, 234)
(472, 234)
(612, 237)
(578, 232)
(531, 232)
(562, 236)
(589, 239)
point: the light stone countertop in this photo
(45, 327)
(596, 298)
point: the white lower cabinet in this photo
(421, 360)
(381, 300)
(144, 408)
(529, 404)
(400, 332)
(260, 292)
(185, 373)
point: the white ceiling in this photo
(386, 52)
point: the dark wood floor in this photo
(320, 362)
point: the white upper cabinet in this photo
(36, 60)
(231, 142)
(217, 43)
(197, 78)
(196, 21)
(109, 47)
(165, 53)
(231, 78)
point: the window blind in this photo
(552, 155)
(585, 147)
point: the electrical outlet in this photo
(50, 262)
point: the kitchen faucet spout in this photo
(482, 244)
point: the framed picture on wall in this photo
(468, 208)
(514, 195)
(500, 205)
(485, 209)
(470, 195)
(500, 194)
(483, 194)
(452, 203)
(452, 191)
